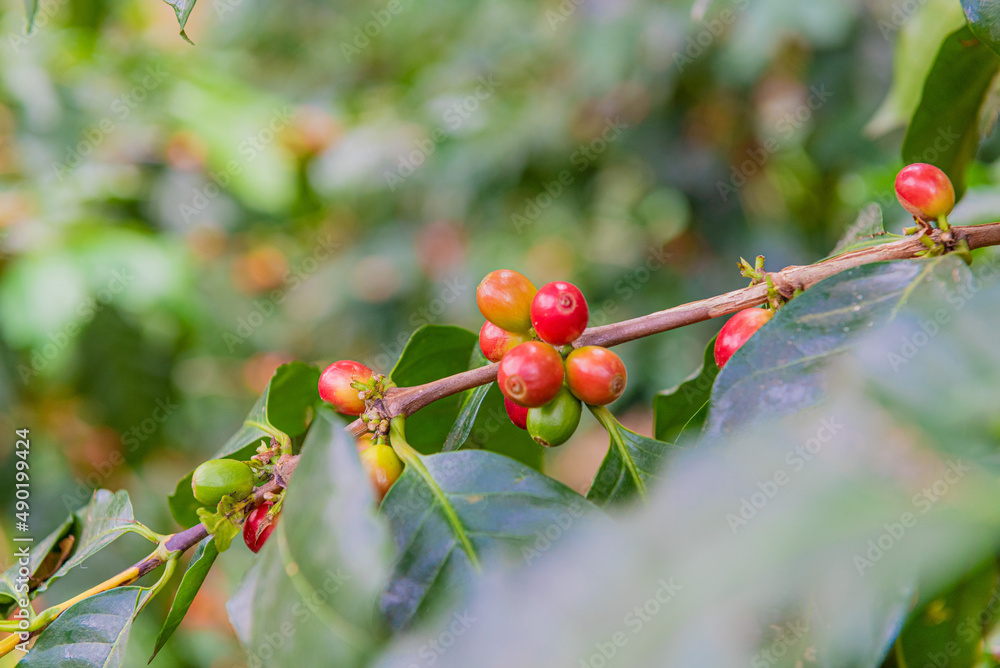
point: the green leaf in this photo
(182, 8)
(102, 521)
(221, 526)
(866, 231)
(197, 570)
(782, 369)
(631, 465)
(433, 352)
(682, 410)
(449, 511)
(984, 21)
(281, 411)
(30, 12)
(947, 630)
(920, 35)
(468, 408)
(292, 396)
(36, 558)
(945, 130)
(91, 634)
(316, 582)
(495, 432)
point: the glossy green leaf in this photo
(468, 408)
(494, 431)
(782, 369)
(201, 563)
(316, 582)
(433, 352)
(282, 411)
(106, 518)
(463, 507)
(984, 21)
(947, 630)
(631, 465)
(36, 558)
(945, 129)
(182, 8)
(91, 634)
(918, 36)
(30, 12)
(682, 410)
(836, 539)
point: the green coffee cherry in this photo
(552, 424)
(218, 477)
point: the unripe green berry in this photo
(553, 424)
(383, 467)
(217, 478)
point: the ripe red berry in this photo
(257, 528)
(531, 374)
(335, 386)
(595, 375)
(559, 313)
(517, 414)
(494, 342)
(504, 298)
(925, 191)
(738, 331)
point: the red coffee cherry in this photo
(517, 414)
(925, 191)
(504, 298)
(335, 386)
(383, 467)
(531, 374)
(738, 331)
(494, 342)
(257, 528)
(559, 313)
(595, 375)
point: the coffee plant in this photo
(821, 490)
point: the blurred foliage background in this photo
(316, 180)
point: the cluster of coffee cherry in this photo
(347, 386)
(218, 478)
(544, 379)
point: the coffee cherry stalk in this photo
(506, 302)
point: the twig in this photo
(178, 542)
(408, 400)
